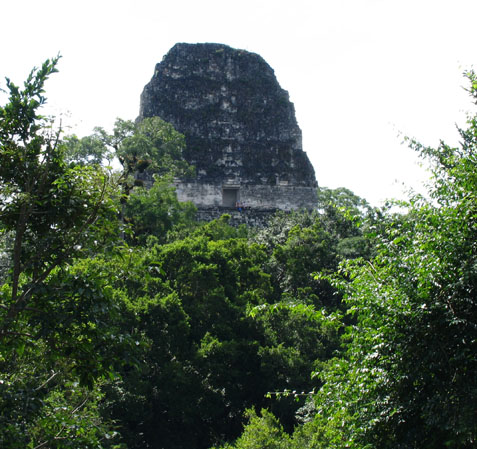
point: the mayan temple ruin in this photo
(241, 132)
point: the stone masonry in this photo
(240, 128)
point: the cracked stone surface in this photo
(241, 132)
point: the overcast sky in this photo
(359, 72)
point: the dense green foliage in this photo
(215, 339)
(57, 336)
(126, 324)
(406, 375)
(411, 358)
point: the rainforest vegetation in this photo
(124, 323)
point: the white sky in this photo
(358, 71)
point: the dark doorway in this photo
(229, 197)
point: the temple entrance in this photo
(230, 196)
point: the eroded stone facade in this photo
(240, 128)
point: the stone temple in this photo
(240, 127)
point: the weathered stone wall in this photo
(240, 128)
(252, 196)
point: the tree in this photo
(189, 301)
(408, 378)
(214, 340)
(51, 209)
(150, 152)
(263, 431)
(55, 307)
(300, 244)
(89, 150)
(151, 146)
(155, 212)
